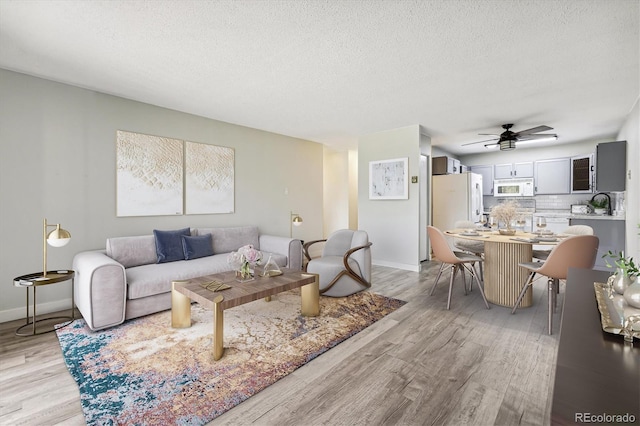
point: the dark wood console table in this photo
(596, 374)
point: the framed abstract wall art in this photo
(388, 179)
(164, 176)
(149, 175)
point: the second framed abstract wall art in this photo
(388, 179)
(209, 178)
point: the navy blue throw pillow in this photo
(169, 244)
(195, 247)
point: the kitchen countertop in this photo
(596, 217)
(568, 214)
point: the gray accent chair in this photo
(345, 265)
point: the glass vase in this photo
(244, 273)
(507, 230)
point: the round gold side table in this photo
(34, 281)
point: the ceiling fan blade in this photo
(488, 140)
(534, 130)
(489, 134)
(538, 136)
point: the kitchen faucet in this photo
(608, 203)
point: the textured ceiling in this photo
(331, 71)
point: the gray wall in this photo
(630, 132)
(392, 225)
(57, 160)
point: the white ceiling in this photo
(331, 71)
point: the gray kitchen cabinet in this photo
(611, 234)
(582, 174)
(553, 176)
(513, 170)
(523, 170)
(445, 165)
(611, 166)
(502, 171)
(487, 177)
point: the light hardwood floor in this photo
(421, 365)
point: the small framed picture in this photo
(388, 179)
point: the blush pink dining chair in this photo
(459, 262)
(575, 252)
(571, 230)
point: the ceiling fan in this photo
(507, 139)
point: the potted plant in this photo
(627, 271)
(600, 205)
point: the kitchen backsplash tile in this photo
(546, 202)
(560, 202)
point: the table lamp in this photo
(57, 238)
(296, 220)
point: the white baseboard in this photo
(404, 266)
(41, 308)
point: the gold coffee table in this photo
(183, 292)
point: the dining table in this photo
(503, 277)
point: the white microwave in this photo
(513, 187)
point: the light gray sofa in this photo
(125, 281)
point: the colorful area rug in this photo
(145, 372)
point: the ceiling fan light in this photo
(548, 139)
(507, 145)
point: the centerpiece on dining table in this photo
(506, 213)
(243, 260)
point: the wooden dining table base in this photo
(503, 278)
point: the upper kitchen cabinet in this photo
(445, 166)
(487, 178)
(611, 166)
(582, 174)
(553, 176)
(513, 170)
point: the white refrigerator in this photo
(456, 197)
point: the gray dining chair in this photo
(571, 230)
(469, 246)
(458, 261)
(575, 252)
